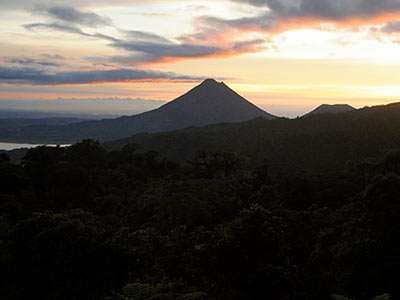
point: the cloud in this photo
(276, 16)
(69, 29)
(31, 61)
(389, 32)
(55, 26)
(149, 48)
(37, 76)
(391, 27)
(246, 46)
(52, 56)
(26, 61)
(67, 19)
(30, 4)
(145, 36)
(111, 105)
(215, 37)
(73, 16)
(327, 9)
(266, 22)
(156, 51)
(144, 47)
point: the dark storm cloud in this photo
(71, 15)
(36, 76)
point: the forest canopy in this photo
(85, 223)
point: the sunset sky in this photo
(286, 56)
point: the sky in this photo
(287, 56)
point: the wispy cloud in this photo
(146, 47)
(69, 19)
(31, 61)
(52, 56)
(69, 29)
(111, 105)
(143, 36)
(144, 53)
(45, 60)
(55, 26)
(74, 16)
(150, 48)
(151, 51)
(391, 27)
(37, 76)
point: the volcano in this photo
(210, 102)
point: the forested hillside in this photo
(83, 223)
(317, 143)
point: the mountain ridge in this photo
(210, 102)
(318, 143)
(330, 108)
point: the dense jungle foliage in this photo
(84, 223)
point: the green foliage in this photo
(340, 297)
(87, 153)
(160, 291)
(208, 165)
(84, 223)
(64, 256)
(4, 157)
(140, 291)
(381, 297)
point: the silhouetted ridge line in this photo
(210, 102)
(318, 143)
(328, 108)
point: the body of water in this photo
(12, 146)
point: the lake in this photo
(11, 146)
